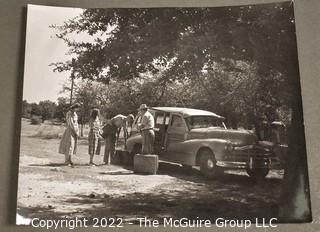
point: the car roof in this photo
(187, 111)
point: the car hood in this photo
(237, 137)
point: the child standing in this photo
(94, 135)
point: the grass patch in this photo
(46, 131)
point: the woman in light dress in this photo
(68, 143)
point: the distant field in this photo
(46, 130)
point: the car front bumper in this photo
(268, 163)
(250, 157)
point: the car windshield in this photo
(204, 122)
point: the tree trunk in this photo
(81, 130)
(295, 203)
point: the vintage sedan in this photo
(194, 137)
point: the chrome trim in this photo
(251, 147)
(273, 163)
(244, 148)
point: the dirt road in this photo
(48, 189)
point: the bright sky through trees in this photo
(43, 48)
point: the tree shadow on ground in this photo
(161, 205)
(231, 196)
(194, 175)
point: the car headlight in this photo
(229, 147)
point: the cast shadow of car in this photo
(193, 174)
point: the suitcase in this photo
(147, 164)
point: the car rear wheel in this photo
(208, 164)
(258, 173)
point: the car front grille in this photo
(245, 153)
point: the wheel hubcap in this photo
(210, 163)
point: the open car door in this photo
(160, 127)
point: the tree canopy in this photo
(183, 44)
(128, 42)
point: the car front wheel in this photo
(208, 164)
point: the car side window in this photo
(159, 118)
(177, 121)
(167, 119)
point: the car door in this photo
(176, 135)
(159, 130)
(161, 119)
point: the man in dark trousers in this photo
(111, 132)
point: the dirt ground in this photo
(48, 189)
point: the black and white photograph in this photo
(173, 116)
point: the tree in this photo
(180, 43)
(62, 108)
(26, 109)
(35, 109)
(47, 109)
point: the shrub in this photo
(36, 120)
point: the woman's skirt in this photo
(94, 142)
(68, 143)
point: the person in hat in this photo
(94, 135)
(146, 126)
(68, 143)
(111, 132)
